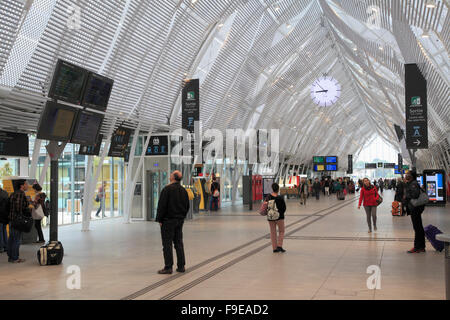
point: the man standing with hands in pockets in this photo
(173, 207)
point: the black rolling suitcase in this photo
(51, 254)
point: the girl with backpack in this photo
(276, 207)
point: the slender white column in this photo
(129, 181)
(35, 157)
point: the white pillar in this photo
(87, 201)
(129, 182)
(44, 170)
(35, 157)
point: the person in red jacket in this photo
(369, 194)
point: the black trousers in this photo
(172, 232)
(38, 226)
(419, 238)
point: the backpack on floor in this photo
(272, 211)
(51, 254)
(431, 232)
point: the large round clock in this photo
(325, 91)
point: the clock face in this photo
(325, 91)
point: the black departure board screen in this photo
(97, 92)
(56, 122)
(13, 144)
(91, 150)
(87, 128)
(68, 82)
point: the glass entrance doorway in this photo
(156, 181)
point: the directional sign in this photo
(416, 108)
(400, 161)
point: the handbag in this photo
(22, 223)
(263, 209)
(379, 199)
(421, 200)
(216, 193)
(97, 198)
(37, 213)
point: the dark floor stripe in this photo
(218, 270)
(215, 258)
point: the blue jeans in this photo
(3, 238)
(15, 237)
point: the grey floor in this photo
(229, 257)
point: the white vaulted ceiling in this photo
(256, 61)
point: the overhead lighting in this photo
(381, 48)
(193, 1)
(355, 49)
(288, 25)
(220, 25)
(430, 4)
(277, 7)
(425, 34)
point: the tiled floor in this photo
(229, 257)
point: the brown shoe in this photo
(19, 261)
(165, 271)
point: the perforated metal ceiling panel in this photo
(256, 61)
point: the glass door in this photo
(156, 180)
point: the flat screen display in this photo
(158, 146)
(331, 167)
(68, 82)
(91, 150)
(331, 160)
(119, 142)
(56, 122)
(389, 165)
(435, 185)
(319, 167)
(13, 144)
(370, 165)
(97, 92)
(319, 159)
(87, 128)
(396, 171)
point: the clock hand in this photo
(322, 91)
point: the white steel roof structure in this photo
(255, 59)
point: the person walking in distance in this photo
(303, 191)
(100, 198)
(173, 207)
(369, 194)
(327, 187)
(317, 188)
(276, 203)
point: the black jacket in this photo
(412, 191)
(4, 207)
(173, 203)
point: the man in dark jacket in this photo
(173, 207)
(19, 205)
(412, 191)
(317, 187)
(4, 219)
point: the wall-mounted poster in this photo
(119, 142)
